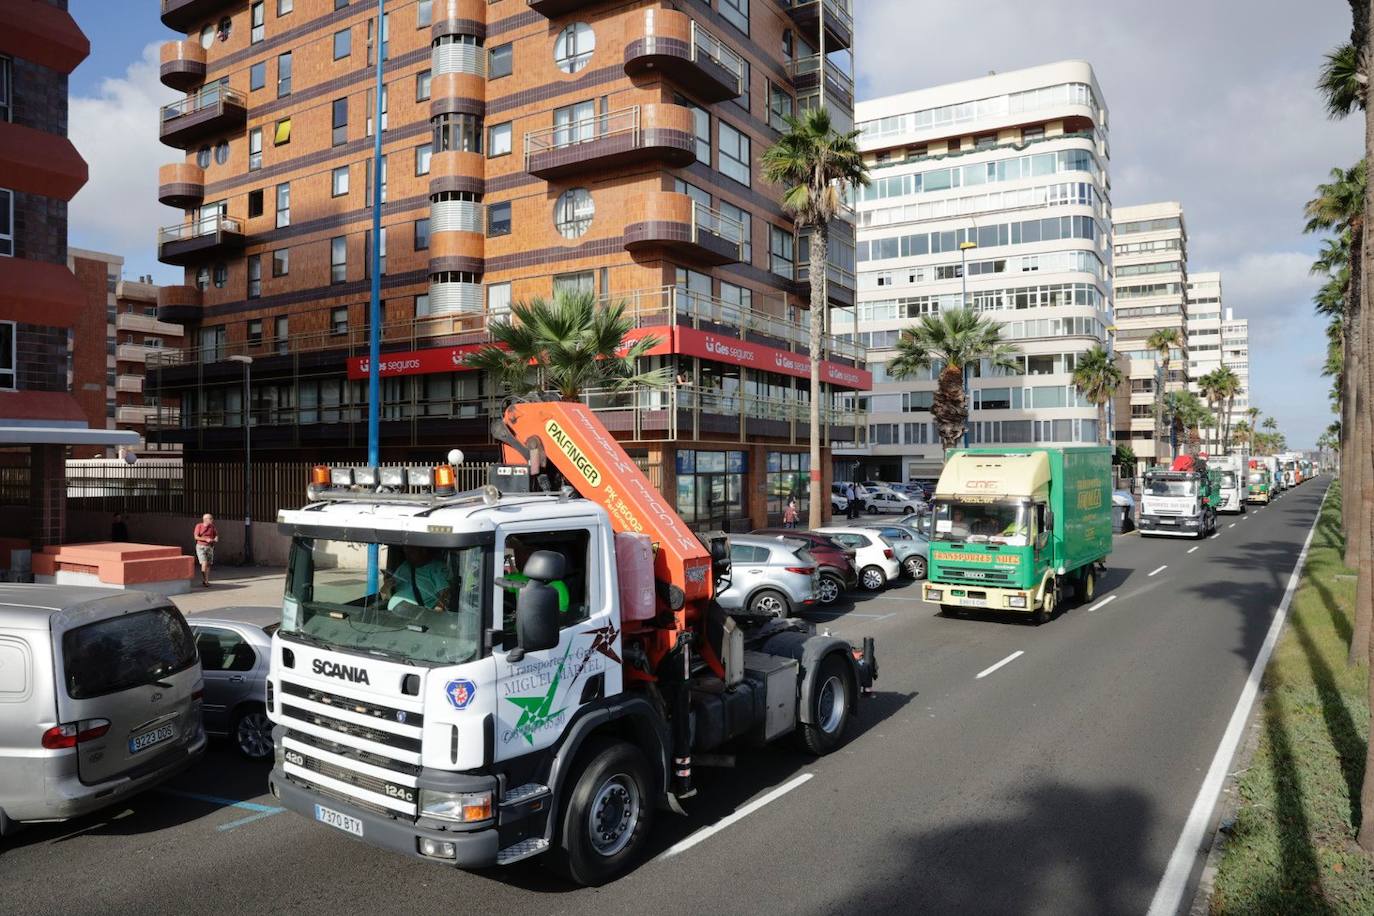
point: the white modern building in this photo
(1151, 291)
(996, 192)
(1235, 353)
(1216, 338)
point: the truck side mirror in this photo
(536, 618)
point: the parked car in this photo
(921, 524)
(886, 499)
(234, 658)
(875, 558)
(838, 503)
(912, 547)
(837, 570)
(102, 694)
(769, 577)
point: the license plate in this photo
(148, 739)
(974, 602)
(1167, 521)
(339, 820)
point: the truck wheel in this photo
(1047, 607)
(607, 816)
(1087, 587)
(768, 603)
(829, 590)
(915, 567)
(872, 578)
(831, 704)
(252, 733)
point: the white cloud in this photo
(116, 130)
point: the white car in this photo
(838, 503)
(874, 558)
(886, 499)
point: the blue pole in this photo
(374, 322)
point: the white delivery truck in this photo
(1235, 469)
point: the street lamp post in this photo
(247, 456)
(964, 248)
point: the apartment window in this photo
(573, 48)
(6, 90)
(339, 123)
(255, 149)
(498, 219)
(386, 38)
(986, 141)
(500, 60)
(780, 106)
(697, 194)
(422, 85)
(367, 253)
(422, 305)
(203, 156)
(202, 278)
(340, 4)
(222, 152)
(7, 356)
(255, 332)
(343, 43)
(424, 13)
(499, 140)
(285, 6)
(581, 282)
(220, 275)
(367, 181)
(255, 203)
(283, 133)
(254, 276)
(6, 223)
(573, 212)
(338, 320)
(458, 133)
(283, 75)
(281, 262)
(339, 181)
(1032, 133)
(734, 153)
(422, 234)
(736, 12)
(280, 332)
(257, 28)
(422, 156)
(283, 205)
(498, 299)
(338, 259)
(701, 127)
(257, 76)
(781, 250)
(385, 94)
(742, 217)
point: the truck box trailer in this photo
(1234, 468)
(1019, 530)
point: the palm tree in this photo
(1240, 435)
(570, 345)
(815, 165)
(1211, 386)
(1163, 342)
(951, 340)
(1186, 416)
(1097, 377)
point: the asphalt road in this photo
(1057, 782)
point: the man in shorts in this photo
(206, 537)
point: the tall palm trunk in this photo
(1353, 471)
(820, 259)
(949, 410)
(1102, 423)
(1364, 597)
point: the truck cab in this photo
(1180, 501)
(1258, 483)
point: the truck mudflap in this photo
(810, 649)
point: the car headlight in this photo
(934, 594)
(463, 807)
(1016, 601)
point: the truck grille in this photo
(946, 574)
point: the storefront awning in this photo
(65, 435)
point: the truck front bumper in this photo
(1017, 600)
(1257, 498)
(472, 848)
(1171, 525)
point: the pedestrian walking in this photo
(852, 494)
(206, 537)
(789, 515)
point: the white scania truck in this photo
(477, 678)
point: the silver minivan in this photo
(100, 697)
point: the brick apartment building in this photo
(43, 308)
(530, 146)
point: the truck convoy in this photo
(477, 678)
(1019, 530)
(1182, 500)
(1259, 484)
(1233, 470)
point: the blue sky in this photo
(1212, 105)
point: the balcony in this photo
(183, 64)
(186, 15)
(805, 73)
(146, 324)
(455, 298)
(551, 9)
(839, 22)
(132, 384)
(456, 57)
(629, 136)
(673, 221)
(181, 185)
(211, 110)
(178, 304)
(678, 47)
(134, 353)
(190, 243)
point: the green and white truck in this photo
(1020, 529)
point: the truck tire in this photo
(606, 818)
(1087, 586)
(1048, 606)
(832, 703)
(829, 590)
(872, 578)
(769, 603)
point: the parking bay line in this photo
(1158, 571)
(259, 811)
(846, 615)
(1010, 658)
(706, 833)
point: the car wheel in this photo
(872, 578)
(607, 817)
(768, 603)
(915, 567)
(828, 590)
(907, 510)
(252, 733)
(830, 706)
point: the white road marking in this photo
(848, 614)
(1158, 571)
(1191, 549)
(1169, 895)
(1010, 658)
(1215, 535)
(1103, 603)
(1232, 525)
(707, 832)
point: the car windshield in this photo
(428, 607)
(986, 523)
(126, 651)
(1159, 486)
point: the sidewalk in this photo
(251, 593)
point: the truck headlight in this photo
(1016, 601)
(463, 807)
(934, 594)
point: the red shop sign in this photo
(454, 359)
(707, 345)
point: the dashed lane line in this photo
(1103, 603)
(1191, 549)
(1010, 658)
(1158, 571)
(707, 832)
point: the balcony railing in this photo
(805, 70)
(201, 100)
(129, 383)
(705, 219)
(199, 228)
(137, 353)
(147, 324)
(706, 44)
(623, 122)
(211, 111)
(617, 137)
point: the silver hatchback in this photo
(100, 695)
(769, 577)
(234, 657)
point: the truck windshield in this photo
(428, 608)
(1228, 480)
(1158, 486)
(987, 523)
(1257, 478)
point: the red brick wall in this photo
(88, 349)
